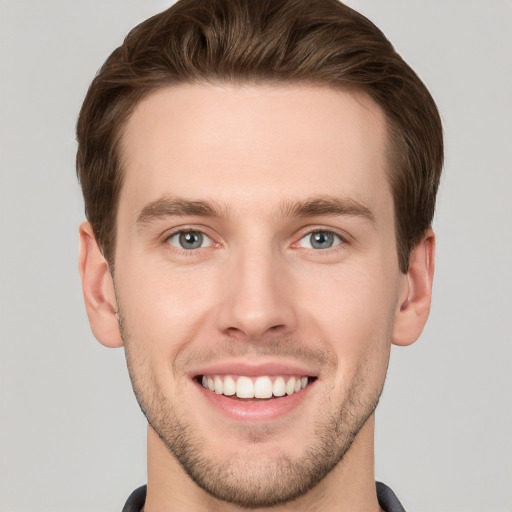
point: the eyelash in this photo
(339, 240)
(188, 252)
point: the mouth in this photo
(263, 387)
(255, 393)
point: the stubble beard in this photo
(247, 483)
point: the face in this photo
(256, 279)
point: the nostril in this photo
(235, 332)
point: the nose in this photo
(258, 296)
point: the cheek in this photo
(354, 300)
(159, 295)
(353, 312)
(164, 309)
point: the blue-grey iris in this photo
(321, 240)
(191, 239)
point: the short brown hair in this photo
(318, 42)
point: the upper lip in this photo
(249, 369)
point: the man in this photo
(259, 181)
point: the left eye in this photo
(189, 240)
(320, 240)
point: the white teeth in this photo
(290, 386)
(279, 387)
(229, 386)
(263, 387)
(219, 385)
(244, 388)
(254, 387)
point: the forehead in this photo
(256, 143)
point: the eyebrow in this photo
(324, 205)
(327, 205)
(176, 206)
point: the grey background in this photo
(71, 435)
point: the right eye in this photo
(189, 240)
(320, 239)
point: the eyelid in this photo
(343, 238)
(206, 239)
(167, 235)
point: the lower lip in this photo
(254, 409)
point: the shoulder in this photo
(387, 499)
(136, 500)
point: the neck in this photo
(349, 486)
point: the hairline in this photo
(391, 149)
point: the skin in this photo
(256, 291)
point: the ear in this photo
(98, 289)
(415, 293)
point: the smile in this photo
(257, 393)
(262, 387)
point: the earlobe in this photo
(98, 290)
(416, 293)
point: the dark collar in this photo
(387, 499)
